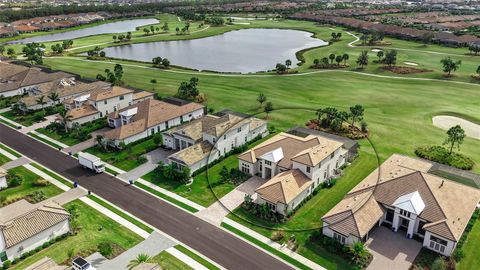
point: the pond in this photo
(107, 28)
(248, 50)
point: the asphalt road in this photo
(218, 245)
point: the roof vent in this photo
(441, 185)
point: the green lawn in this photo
(471, 248)
(27, 187)
(54, 145)
(169, 262)
(69, 138)
(53, 175)
(66, 139)
(126, 159)
(28, 119)
(167, 198)
(197, 258)
(95, 229)
(13, 152)
(3, 159)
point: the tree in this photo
(364, 38)
(64, 119)
(41, 100)
(157, 29)
(54, 97)
(268, 108)
(363, 59)
(165, 27)
(316, 62)
(391, 58)
(2, 49)
(332, 58)
(288, 63)
(10, 52)
(358, 252)
(34, 52)
(474, 48)
(114, 38)
(356, 113)
(152, 29)
(450, 65)
(102, 54)
(455, 135)
(345, 57)
(325, 61)
(157, 61)
(153, 82)
(129, 36)
(166, 62)
(224, 175)
(281, 68)
(141, 258)
(188, 90)
(261, 99)
(380, 55)
(339, 59)
(478, 70)
(334, 36)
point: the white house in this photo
(405, 197)
(3, 178)
(25, 226)
(18, 80)
(204, 140)
(148, 117)
(294, 166)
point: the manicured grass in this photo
(167, 198)
(54, 145)
(53, 175)
(265, 247)
(95, 228)
(58, 137)
(11, 151)
(169, 262)
(27, 186)
(25, 120)
(471, 248)
(121, 213)
(126, 159)
(8, 124)
(197, 258)
(3, 159)
(111, 171)
(68, 138)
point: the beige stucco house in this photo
(405, 197)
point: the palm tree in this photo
(141, 258)
(64, 119)
(41, 101)
(54, 97)
(288, 63)
(345, 58)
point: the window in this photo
(122, 97)
(325, 175)
(153, 131)
(245, 168)
(404, 213)
(332, 155)
(437, 244)
(105, 101)
(239, 129)
(340, 238)
(308, 169)
(272, 206)
(268, 162)
(224, 136)
(213, 140)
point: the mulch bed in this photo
(347, 131)
(406, 70)
(330, 66)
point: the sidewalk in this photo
(16, 163)
(186, 259)
(49, 119)
(153, 157)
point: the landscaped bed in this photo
(94, 229)
(32, 117)
(30, 188)
(73, 137)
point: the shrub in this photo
(41, 183)
(458, 254)
(6, 264)
(439, 264)
(14, 179)
(36, 197)
(39, 116)
(441, 155)
(142, 159)
(105, 248)
(364, 126)
(278, 236)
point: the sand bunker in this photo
(410, 63)
(376, 50)
(445, 122)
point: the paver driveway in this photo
(392, 250)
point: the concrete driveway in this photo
(392, 250)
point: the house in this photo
(18, 80)
(204, 140)
(293, 166)
(25, 226)
(100, 102)
(3, 178)
(150, 116)
(402, 195)
(67, 91)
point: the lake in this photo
(106, 28)
(248, 50)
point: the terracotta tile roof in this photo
(142, 94)
(149, 113)
(448, 205)
(28, 221)
(305, 150)
(284, 187)
(82, 111)
(115, 91)
(26, 28)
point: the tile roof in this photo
(448, 205)
(194, 153)
(22, 220)
(307, 150)
(103, 94)
(142, 94)
(284, 187)
(82, 111)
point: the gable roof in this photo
(411, 202)
(23, 220)
(103, 94)
(284, 187)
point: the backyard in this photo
(95, 228)
(27, 188)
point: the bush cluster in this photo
(441, 155)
